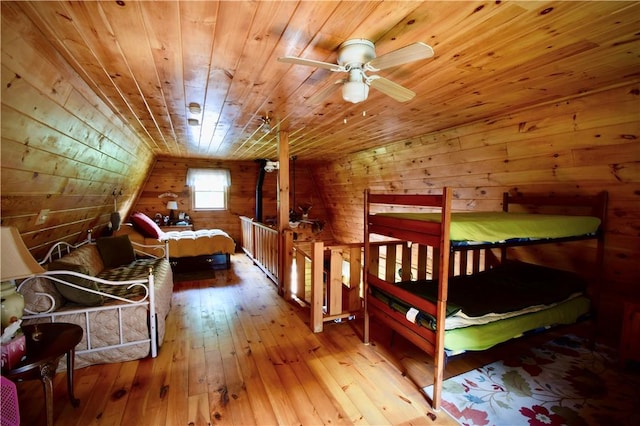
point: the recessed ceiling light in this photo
(194, 108)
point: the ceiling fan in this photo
(356, 57)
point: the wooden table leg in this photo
(70, 363)
(47, 371)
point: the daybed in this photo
(185, 247)
(431, 310)
(119, 298)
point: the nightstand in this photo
(177, 228)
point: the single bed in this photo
(459, 258)
(118, 295)
(185, 248)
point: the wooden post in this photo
(406, 262)
(443, 289)
(283, 212)
(286, 271)
(355, 278)
(390, 263)
(317, 285)
(334, 283)
(301, 273)
(366, 268)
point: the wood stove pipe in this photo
(259, 182)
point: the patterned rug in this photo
(560, 383)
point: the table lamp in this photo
(171, 206)
(16, 263)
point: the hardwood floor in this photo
(237, 353)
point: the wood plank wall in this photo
(62, 147)
(169, 175)
(577, 146)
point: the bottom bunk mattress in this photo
(496, 305)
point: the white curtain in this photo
(211, 178)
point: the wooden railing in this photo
(399, 261)
(329, 277)
(260, 242)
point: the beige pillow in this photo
(37, 302)
(88, 256)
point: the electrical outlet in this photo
(42, 216)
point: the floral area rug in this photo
(560, 383)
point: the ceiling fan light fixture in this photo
(355, 91)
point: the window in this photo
(209, 188)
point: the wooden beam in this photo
(283, 213)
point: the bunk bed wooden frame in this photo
(436, 235)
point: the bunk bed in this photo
(430, 310)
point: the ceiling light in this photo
(193, 122)
(194, 108)
(355, 91)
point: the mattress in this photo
(481, 337)
(495, 305)
(203, 242)
(494, 227)
(198, 243)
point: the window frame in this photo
(223, 175)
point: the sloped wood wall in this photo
(62, 148)
(577, 146)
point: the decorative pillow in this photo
(72, 294)
(145, 225)
(87, 256)
(35, 302)
(116, 251)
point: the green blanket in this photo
(500, 226)
(507, 288)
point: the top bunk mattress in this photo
(497, 227)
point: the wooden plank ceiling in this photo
(150, 60)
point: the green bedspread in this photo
(481, 337)
(500, 226)
(508, 288)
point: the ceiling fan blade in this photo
(410, 53)
(324, 93)
(310, 63)
(389, 88)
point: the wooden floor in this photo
(237, 353)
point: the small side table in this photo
(46, 344)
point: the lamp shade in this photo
(16, 260)
(172, 205)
